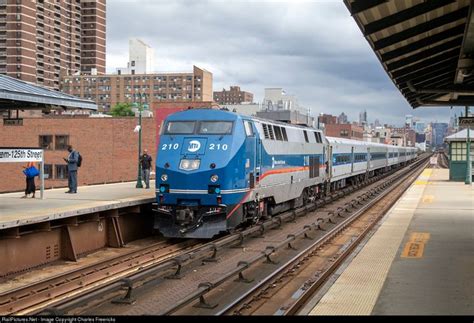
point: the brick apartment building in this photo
(42, 40)
(233, 96)
(113, 158)
(108, 90)
(348, 131)
(327, 119)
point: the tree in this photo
(122, 110)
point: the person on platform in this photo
(145, 161)
(30, 172)
(72, 161)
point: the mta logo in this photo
(194, 145)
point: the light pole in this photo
(140, 108)
(468, 153)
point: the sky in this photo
(311, 49)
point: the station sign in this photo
(13, 155)
(466, 122)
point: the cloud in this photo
(312, 49)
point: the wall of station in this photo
(108, 145)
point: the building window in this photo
(61, 171)
(62, 141)
(48, 171)
(46, 142)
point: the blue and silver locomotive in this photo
(216, 170)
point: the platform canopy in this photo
(16, 94)
(425, 46)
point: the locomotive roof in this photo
(211, 114)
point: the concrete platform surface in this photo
(420, 260)
(15, 211)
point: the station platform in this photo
(420, 260)
(15, 211)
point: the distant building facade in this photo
(42, 40)
(439, 132)
(232, 96)
(327, 119)
(108, 90)
(363, 118)
(342, 119)
(404, 136)
(141, 58)
(347, 131)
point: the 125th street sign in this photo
(13, 155)
(466, 122)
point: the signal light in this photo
(219, 200)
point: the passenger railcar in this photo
(216, 170)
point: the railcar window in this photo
(278, 134)
(320, 138)
(305, 136)
(248, 128)
(283, 131)
(215, 127)
(180, 127)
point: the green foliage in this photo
(122, 110)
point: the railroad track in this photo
(301, 278)
(26, 300)
(92, 287)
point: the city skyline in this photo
(256, 45)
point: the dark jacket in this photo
(72, 160)
(146, 160)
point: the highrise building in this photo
(42, 40)
(141, 58)
(409, 120)
(363, 118)
(342, 119)
(420, 127)
(439, 132)
(93, 35)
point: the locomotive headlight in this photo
(195, 164)
(214, 178)
(184, 164)
(164, 177)
(189, 164)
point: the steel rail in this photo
(205, 287)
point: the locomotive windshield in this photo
(203, 128)
(215, 127)
(180, 127)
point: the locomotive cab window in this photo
(215, 127)
(180, 127)
(248, 128)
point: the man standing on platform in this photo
(72, 161)
(145, 161)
